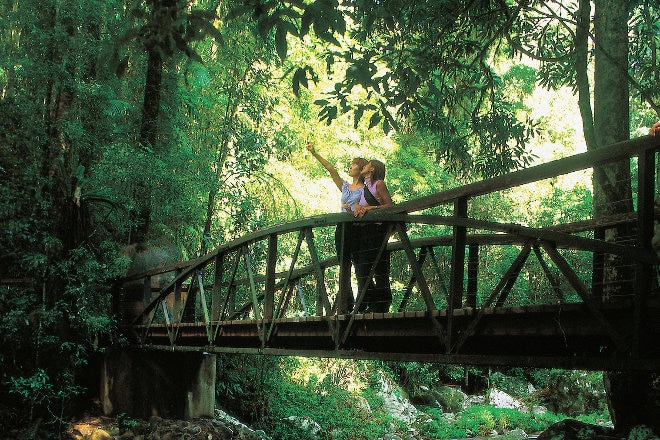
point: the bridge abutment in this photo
(143, 384)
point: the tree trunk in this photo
(612, 189)
(633, 397)
(150, 114)
(151, 103)
(582, 72)
(148, 138)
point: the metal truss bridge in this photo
(543, 291)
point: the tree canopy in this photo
(157, 123)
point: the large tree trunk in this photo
(148, 138)
(612, 189)
(156, 47)
(612, 193)
(633, 397)
(151, 102)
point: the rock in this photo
(75, 434)
(390, 437)
(100, 434)
(450, 417)
(363, 404)
(474, 400)
(642, 432)
(500, 399)
(517, 434)
(396, 402)
(452, 399)
(305, 424)
(570, 429)
(235, 428)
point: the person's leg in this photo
(383, 290)
(344, 249)
(364, 254)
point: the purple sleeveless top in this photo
(371, 186)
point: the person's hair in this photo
(379, 170)
(361, 162)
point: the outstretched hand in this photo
(310, 147)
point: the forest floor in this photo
(156, 428)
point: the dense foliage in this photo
(345, 399)
(163, 123)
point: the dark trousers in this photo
(368, 239)
(346, 248)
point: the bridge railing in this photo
(446, 261)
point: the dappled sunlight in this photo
(341, 373)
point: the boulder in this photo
(570, 429)
(452, 399)
(500, 399)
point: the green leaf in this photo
(332, 114)
(299, 77)
(357, 115)
(306, 21)
(386, 126)
(280, 41)
(374, 120)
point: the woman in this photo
(351, 194)
(378, 294)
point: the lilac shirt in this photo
(372, 188)
(350, 197)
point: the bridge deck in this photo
(564, 335)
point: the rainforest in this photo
(175, 127)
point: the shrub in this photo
(571, 392)
(482, 420)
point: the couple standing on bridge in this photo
(361, 243)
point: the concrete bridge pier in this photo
(142, 384)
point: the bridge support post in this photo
(142, 384)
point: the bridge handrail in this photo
(512, 230)
(504, 234)
(581, 161)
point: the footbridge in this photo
(527, 288)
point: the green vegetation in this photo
(480, 421)
(168, 124)
(347, 397)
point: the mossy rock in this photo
(570, 429)
(452, 399)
